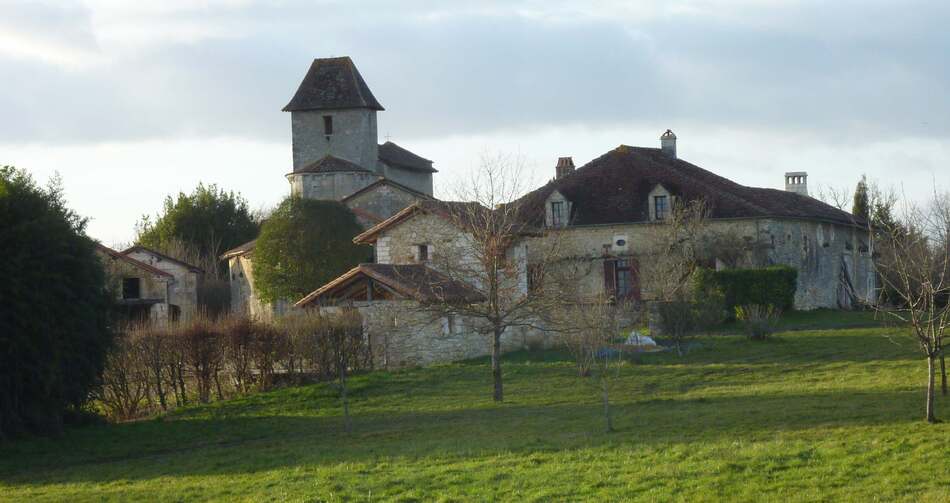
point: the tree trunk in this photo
(217, 384)
(158, 388)
(347, 425)
(943, 375)
(931, 364)
(610, 422)
(498, 394)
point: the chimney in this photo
(565, 166)
(797, 181)
(668, 143)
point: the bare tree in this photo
(489, 254)
(677, 247)
(914, 267)
(590, 328)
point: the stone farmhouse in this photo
(149, 285)
(603, 212)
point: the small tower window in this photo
(328, 125)
(422, 253)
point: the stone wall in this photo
(823, 254)
(417, 180)
(183, 291)
(402, 334)
(332, 186)
(353, 138)
(383, 200)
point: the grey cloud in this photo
(859, 70)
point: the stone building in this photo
(336, 157)
(605, 215)
(151, 286)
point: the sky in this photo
(131, 101)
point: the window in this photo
(620, 278)
(328, 125)
(557, 213)
(422, 253)
(131, 288)
(661, 207)
(624, 279)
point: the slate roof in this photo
(332, 83)
(182, 263)
(396, 156)
(129, 260)
(415, 281)
(330, 164)
(614, 188)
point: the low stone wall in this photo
(401, 334)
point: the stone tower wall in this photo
(353, 138)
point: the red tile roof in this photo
(415, 281)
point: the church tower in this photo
(333, 122)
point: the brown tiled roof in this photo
(415, 281)
(131, 261)
(332, 83)
(614, 188)
(190, 267)
(396, 156)
(240, 250)
(386, 181)
(330, 164)
(453, 210)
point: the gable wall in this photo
(183, 291)
(383, 201)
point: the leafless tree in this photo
(914, 267)
(590, 328)
(677, 248)
(490, 254)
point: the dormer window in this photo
(557, 213)
(661, 207)
(327, 125)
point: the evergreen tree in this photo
(208, 221)
(54, 308)
(303, 245)
(861, 206)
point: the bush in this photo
(774, 286)
(759, 321)
(54, 308)
(681, 319)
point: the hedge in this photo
(773, 286)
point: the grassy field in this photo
(831, 415)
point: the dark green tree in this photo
(54, 308)
(208, 221)
(861, 207)
(303, 245)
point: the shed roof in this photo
(182, 263)
(398, 157)
(131, 261)
(330, 164)
(415, 281)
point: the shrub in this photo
(54, 308)
(773, 286)
(758, 320)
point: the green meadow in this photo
(829, 414)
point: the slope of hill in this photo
(812, 415)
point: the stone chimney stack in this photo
(565, 166)
(668, 143)
(797, 181)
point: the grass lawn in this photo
(831, 415)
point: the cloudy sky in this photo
(130, 101)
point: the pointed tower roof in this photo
(332, 83)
